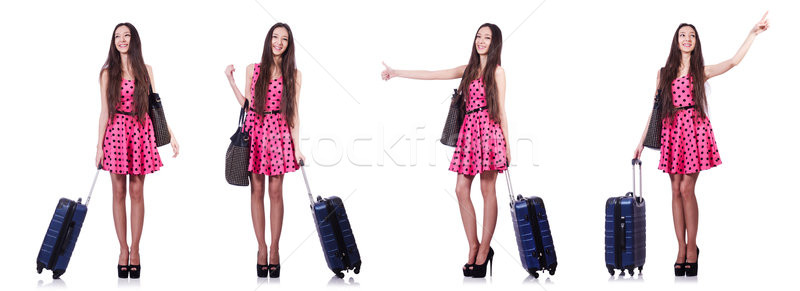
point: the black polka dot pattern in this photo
(271, 146)
(481, 145)
(687, 141)
(129, 147)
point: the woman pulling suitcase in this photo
(273, 91)
(481, 148)
(687, 140)
(126, 143)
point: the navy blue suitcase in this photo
(625, 229)
(335, 234)
(62, 234)
(534, 240)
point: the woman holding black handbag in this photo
(273, 90)
(126, 143)
(481, 147)
(687, 140)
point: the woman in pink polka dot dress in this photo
(482, 146)
(687, 139)
(126, 144)
(273, 124)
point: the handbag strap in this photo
(458, 96)
(657, 100)
(242, 113)
(152, 96)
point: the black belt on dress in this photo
(126, 113)
(684, 107)
(476, 110)
(268, 112)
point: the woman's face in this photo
(122, 39)
(687, 38)
(280, 40)
(483, 40)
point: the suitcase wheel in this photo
(535, 274)
(640, 268)
(39, 267)
(611, 271)
(552, 271)
(357, 268)
(630, 271)
(57, 274)
(339, 273)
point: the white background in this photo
(581, 76)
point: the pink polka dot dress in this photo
(129, 146)
(687, 141)
(271, 146)
(481, 145)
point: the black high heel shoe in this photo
(274, 270)
(262, 271)
(691, 268)
(679, 269)
(479, 271)
(122, 271)
(468, 267)
(135, 273)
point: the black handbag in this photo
(237, 158)
(653, 137)
(455, 118)
(160, 128)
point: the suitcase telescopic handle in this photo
(510, 190)
(302, 169)
(89, 197)
(635, 162)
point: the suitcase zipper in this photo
(58, 248)
(537, 235)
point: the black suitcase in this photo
(335, 234)
(625, 237)
(532, 229)
(62, 234)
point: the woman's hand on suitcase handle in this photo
(301, 159)
(638, 152)
(98, 158)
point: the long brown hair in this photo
(472, 71)
(288, 70)
(113, 66)
(696, 71)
